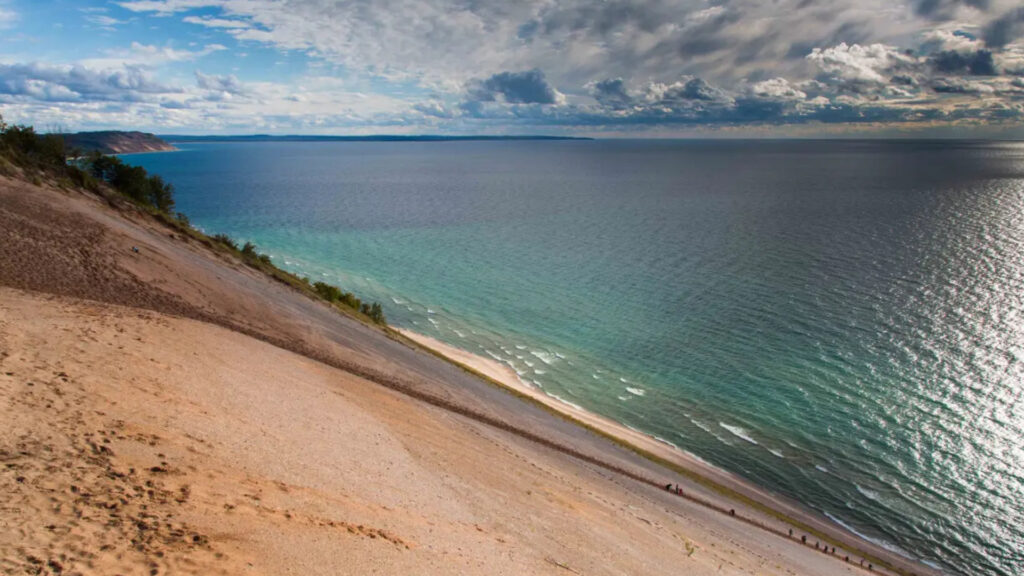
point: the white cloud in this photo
(149, 55)
(868, 64)
(217, 22)
(7, 16)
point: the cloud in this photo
(1005, 29)
(459, 63)
(167, 7)
(52, 83)
(7, 16)
(529, 87)
(611, 93)
(149, 56)
(227, 84)
(856, 64)
(978, 63)
(217, 22)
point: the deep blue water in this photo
(842, 322)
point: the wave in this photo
(564, 401)
(623, 398)
(493, 355)
(520, 347)
(398, 301)
(883, 543)
(738, 432)
(623, 380)
(868, 493)
(821, 468)
(777, 452)
(636, 391)
(460, 333)
(664, 441)
(431, 311)
(538, 371)
(544, 356)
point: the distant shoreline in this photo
(370, 138)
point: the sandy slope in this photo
(223, 423)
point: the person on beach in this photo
(668, 486)
(803, 539)
(790, 532)
(732, 511)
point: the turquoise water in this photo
(842, 322)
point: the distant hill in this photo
(114, 142)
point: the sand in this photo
(171, 411)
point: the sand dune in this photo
(170, 411)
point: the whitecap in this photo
(636, 391)
(398, 301)
(884, 544)
(738, 431)
(431, 311)
(539, 371)
(702, 426)
(869, 493)
(821, 468)
(528, 363)
(664, 441)
(566, 402)
(623, 398)
(520, 347)
(596, 377)
(623, 380)
(493, 355)
(459, 333)
(545, 357)
(559, 355)
(777, 452)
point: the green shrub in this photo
(226, 240)
(48, 154)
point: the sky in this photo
(654, 68)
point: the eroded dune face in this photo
(135, 442)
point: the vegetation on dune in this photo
(46, 156)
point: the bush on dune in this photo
(45, 156)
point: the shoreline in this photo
(728, 489)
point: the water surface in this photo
(842, 322)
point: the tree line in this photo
(48, 155)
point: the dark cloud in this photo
(979, 63)
(956, 86)
(76, 83)
(612, 93)
(529, 87)
(946, 9)
(709, 36)
(694, 89)
(1004, 29)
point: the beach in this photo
(169, 410)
